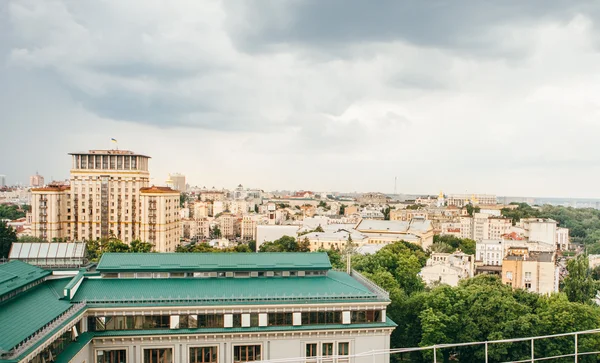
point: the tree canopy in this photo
(11, 211)
(285, 244)
(7, 237)
(450, 244)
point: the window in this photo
(246, 353)
(527, 276)
(237, 320)
(322, 317)
(111, 356)
(280, 319)
(311, 351)
(509, 275)
(326, 351)
(343, 350)
(203, 355)
(187, 321)
(366, 316)
(163, 355)
(254, 319)
(210, 321)
(528, 285)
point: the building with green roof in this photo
(197, 307)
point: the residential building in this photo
(50, 207)
(195, 229)
(209, 308)
(159, 224)
(36, 181)
(335, 238)
(498, 226)
(461, 200)
(447, 268)
(490, 252)
(408, 214)
(212, 194)
(418, 231)
(373, 198)
(532, 271)
(563, 242)
(229, 225)
(479, 227)
(105, 199)
(248, 227)
(351, 209)
(428, 201)
(539, 229)
(178, 181)
(371, 213)
(202, 209)
(2, 180)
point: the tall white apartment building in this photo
(105, 200)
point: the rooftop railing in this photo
(373, 287)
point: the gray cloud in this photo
(468, 26)
(478, 95)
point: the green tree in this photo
(215, 232)
(7, 237)
(471, 209)
(252, 245)
(113, 245)
(139, 246)
(342, 209)
(579, 285)
(386, 213)
(11, 211)
(304, 245)
(30, 239)
(93, 250)
(283, 244)
(466, 245)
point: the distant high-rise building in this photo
(36, 181)
(2, 180)
(178, 181)
(109, 196)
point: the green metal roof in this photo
(16, 274)
(204, 291)
(74, 348)
(234, 261)
(28, 312)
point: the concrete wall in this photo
(273, 346)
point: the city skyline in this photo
(497, 98)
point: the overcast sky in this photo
(480, 96)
